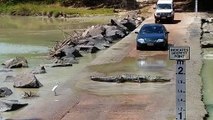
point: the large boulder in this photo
(119, 25)
(207, 44)
(17, 62)
(4, 91)
(94, 31)
(11, 105)
(207, 27)
(27, 80)
(206, 40)
(68, 51)
(130, 24)
(114, 33)
(98, 41)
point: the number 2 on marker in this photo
(180, 70)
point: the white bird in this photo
(54, 89)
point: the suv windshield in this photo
(164, 6)
(151, 29)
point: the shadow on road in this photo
(174, 22)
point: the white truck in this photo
(164, 10)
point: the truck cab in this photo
(164, 11)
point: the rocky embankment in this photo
(206, 38)
(93, 39)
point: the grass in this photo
(33, 9)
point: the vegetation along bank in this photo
(63, 8)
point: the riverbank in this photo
(53, 10)
(32, 37)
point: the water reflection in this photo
(152, 63)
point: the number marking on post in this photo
(180, 54)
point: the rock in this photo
(27, 80)
(88, 48)
(29, 94)
(207, 27)
(61, 65)
(9, 78)
(17, 62)
(68, 51)
(114, 33)
(210, 20)
(39, 70)
(83, 41)
(97, 41)
(119, 25)
(207, 44)
(11, 105)
(206, 40)
(4, 91)
(129, 24)
(67, 60)
(94, 31)
(206, 37)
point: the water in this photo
(150, 66)
(32, 38)
(207, 81)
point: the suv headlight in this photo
(160, 40)
(141, 40)
(157, 14)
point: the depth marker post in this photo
(180, 54)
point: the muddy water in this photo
(147, 66)
(208, 81)
(32, 38)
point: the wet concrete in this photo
(159, 98)
(148, 66)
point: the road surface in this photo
(88, 100)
